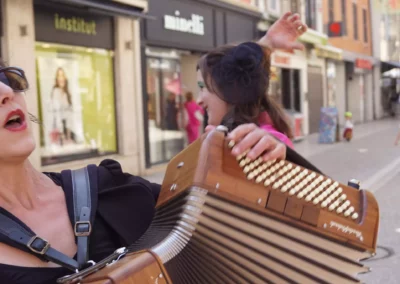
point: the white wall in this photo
(368, 92)
(340, 90)
(379, 112)
(19, 51)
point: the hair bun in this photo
(239, 72)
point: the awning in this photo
(389, 65)
(328, 51)
(314, 37)
(352, 57)
(106, 7)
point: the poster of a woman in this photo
(61, 105)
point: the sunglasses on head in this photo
(14, 77)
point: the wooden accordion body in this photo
(222, 219)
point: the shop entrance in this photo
(315, 99)
(164, 104)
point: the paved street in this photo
(372, 158)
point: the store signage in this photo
(324, 53)
(280, 60)
(193, 25)
(73, 28)
(156, 64)
(74, 25)
(363, 64)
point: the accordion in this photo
(226, 219)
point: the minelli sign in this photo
(193, 25)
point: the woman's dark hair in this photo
(65, 88)
(239, 75)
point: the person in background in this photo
(194, 117)
(348, 126)
(171, 116)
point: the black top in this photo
(125, 209)
(115, 225)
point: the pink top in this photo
(266, 124)
(191, 108)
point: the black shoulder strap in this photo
(15, 233)
(83, 217)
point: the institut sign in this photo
(193, 25)
(74, 25)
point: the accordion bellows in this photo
(222, 219)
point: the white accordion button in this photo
(354, 216)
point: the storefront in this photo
(75, 77)
(287, 87)
(316, 78)
(82, 64)
(335, 78)
(182, 31)
(360, 84)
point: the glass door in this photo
(164, 105)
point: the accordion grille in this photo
(202, 238)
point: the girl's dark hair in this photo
(65, 89)
(239, 75)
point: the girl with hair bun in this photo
(234, 81)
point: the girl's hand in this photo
(284, 33)
(259, 141)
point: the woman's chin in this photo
(21, 150)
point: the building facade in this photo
(85, 78)
(348, 25)
(302, 80)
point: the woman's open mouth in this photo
(15, 121)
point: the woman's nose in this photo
(6, 93)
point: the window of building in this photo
(273, 6)
(311, 8)
(164, 109)
(344, 18)
(331, 15)
(76, 102)
(294, 6)
(365, 23)
(355, 19)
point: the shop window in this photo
(164, 110)
(284, 87)
(290, 83)
(294, 6)
(76, 102)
